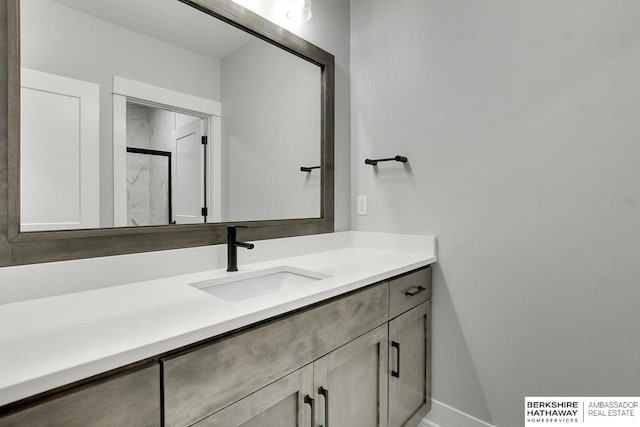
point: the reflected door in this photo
(59, 172)
(190, 203)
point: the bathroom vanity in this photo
(350, 348)
(335, 361)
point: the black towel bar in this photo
(308, 168)
(374, 162)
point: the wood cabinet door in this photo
(350, 383)
(410, 366)
(284, 403)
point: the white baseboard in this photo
(443, 415)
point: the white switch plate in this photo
(363, 205)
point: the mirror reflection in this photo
(150, 112)
(165, 154)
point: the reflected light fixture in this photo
(299, 11)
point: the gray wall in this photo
(60, 40)
(271, 109)
(520, 121)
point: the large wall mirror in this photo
(150, 124)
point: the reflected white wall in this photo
(329, 29)
(271, 109)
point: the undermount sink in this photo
(258, 283)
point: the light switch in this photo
(363, 205)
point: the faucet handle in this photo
(232, 239)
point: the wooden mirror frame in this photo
(17, 248)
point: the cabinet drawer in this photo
(129, 400)
(206, 380)
(406, 292)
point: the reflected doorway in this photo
(166, 166)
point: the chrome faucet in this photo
(232, 247)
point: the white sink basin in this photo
(242, 286)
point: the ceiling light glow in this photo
(299, 11)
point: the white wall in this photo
(63, 41)
(278, 94)
(520, 122)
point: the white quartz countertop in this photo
(49, 342)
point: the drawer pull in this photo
(309, 401)
(416, 292)
(324, 392)
(396, 373)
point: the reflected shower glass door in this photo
(165, 166)
(148, 187)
